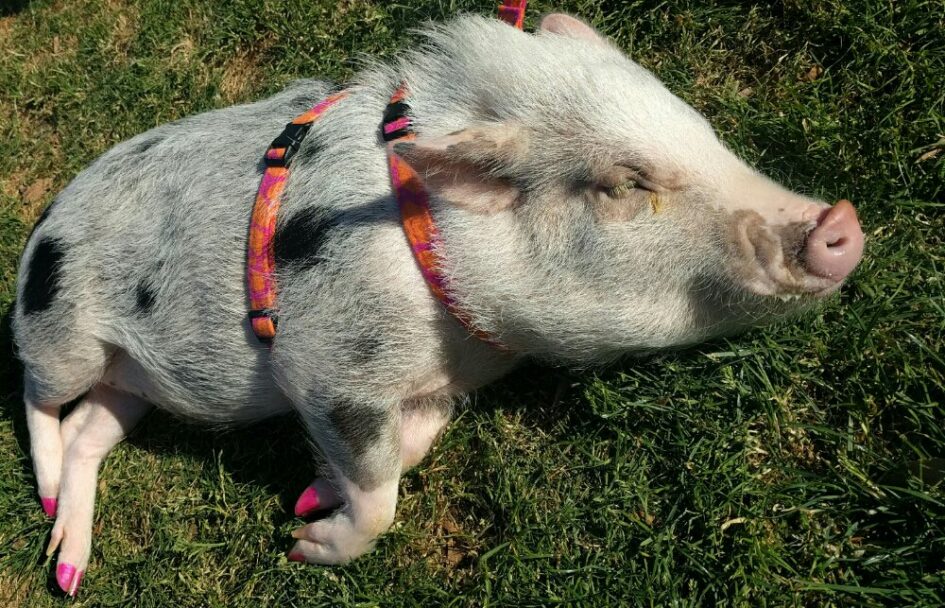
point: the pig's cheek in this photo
(742, 244)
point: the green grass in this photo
(800, 465)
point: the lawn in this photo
(797, 465)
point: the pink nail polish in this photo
(49, 506)
(65, 573)
(75, 583)
(296, 556)
(307, 502)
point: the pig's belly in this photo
(232, 404)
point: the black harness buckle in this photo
(393, 112)
(290, 140)
(266, 313)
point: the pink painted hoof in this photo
(296, 556)
(49, 506)
(68, 579)
(76, 582)
(307, 503)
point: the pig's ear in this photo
(566, 25)
(472, 168)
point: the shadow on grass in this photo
(11, 378)
(12, 7)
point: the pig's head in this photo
(586, 211)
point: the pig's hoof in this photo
(318, 496)
(49, 506)
(74, 542)
(330, 541)
(309, 502)
(68, 578)
(54, 539)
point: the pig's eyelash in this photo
(641, 178)
(621, 190)
(624, 189)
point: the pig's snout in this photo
(835, 245)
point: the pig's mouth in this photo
(799, 259)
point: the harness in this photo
(412, 200)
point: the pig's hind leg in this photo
(367, 449)
(57, 371)
(98, 423)
(420, 427)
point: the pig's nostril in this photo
(835, 245)
(838, 242)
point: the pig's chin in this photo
(783, 283)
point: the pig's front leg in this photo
(362, 446)
(419, 428)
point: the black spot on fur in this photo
(43, 276)
(299, 241)
(144, 298)
(146, 145)
(366, 347)
(359, 426)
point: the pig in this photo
(584, 212)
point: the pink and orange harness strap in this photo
(415, 214)
(513, 12)
(260, 259)
(412, 199)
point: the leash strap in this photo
(260, 262)
(513, 12)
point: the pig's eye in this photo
(622, 190)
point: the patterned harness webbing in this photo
(412, 199)
(260, 261)
(513, 12)
(414, 202)
(415, 214)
